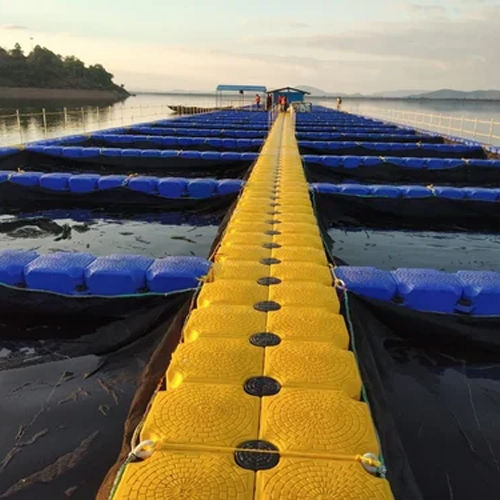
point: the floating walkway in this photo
(262, 398)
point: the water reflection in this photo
(83, 116)
(147, 107)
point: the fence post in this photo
(44, 122)
(18, 119)
(97, 115)
(82, 112)
(490, 134)
(65, 112)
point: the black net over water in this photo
(102, 233)
(176, 166)
(440, 233)
(69, 368)
(433, 384)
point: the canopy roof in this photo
(237, 88)
(290, 89)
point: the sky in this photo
(337, 45)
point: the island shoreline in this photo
(62, 94)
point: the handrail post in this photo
(82, 112)
(65, 113)
(97, 115)
(44, 122)
(492, 125)
(18, 120)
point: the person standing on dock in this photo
(339, 103)
(257, 101)
(269, 102)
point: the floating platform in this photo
(279, 372)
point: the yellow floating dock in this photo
(262, 398)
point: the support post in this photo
(44, 121)
(18, 120)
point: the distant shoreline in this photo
(68, 94)
(344, 97)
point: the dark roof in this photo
(237, 88)
(288, 89)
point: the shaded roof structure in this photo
(290, 89)
(237, 88)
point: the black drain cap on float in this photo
(253, 460)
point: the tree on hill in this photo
(44, 69)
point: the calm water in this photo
(387, 249)
(153, 235)
(145, 107)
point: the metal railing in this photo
(20, 127)
(488, 131)
(73, 120)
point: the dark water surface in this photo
(101, 233)
(389, 249)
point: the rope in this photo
(347, 313)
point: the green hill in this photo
(41, 68)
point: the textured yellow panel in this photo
(209, 414)
(255, 239)
(304, 294)
(248, 227)
(292, 216)
(309, 323)
(264, 215)
(215, 360)
(299, 227)
(298, 240)
(300, 254)
(238, 270)
(309, 479)
(224, 321)
(313, 365)
(186, 476)
(235, 292)
(302, 271)
(241, 252)
(257, 204)
(309, 420)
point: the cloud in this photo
(446, 50)
(299, 25)
(13, 27)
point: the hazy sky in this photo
(337, 45)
